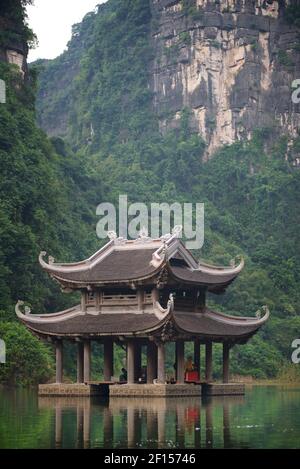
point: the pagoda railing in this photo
(119, 299)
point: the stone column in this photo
(197, 361)
(137, 361)
(98, 300)
(83, 300)
(59, 361)
(151, 362)
(130, 362)
(155, 295)
(208, 361)
(80, 362)
(180, 361)
(161, 375)
(108, 359)
(226, 349)
(140, 298)
(87, 360)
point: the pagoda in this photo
(142, 294)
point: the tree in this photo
(28, 361)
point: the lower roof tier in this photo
(167, 324)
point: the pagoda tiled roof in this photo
(204, 324)
(124, 262)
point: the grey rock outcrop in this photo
(231, 62)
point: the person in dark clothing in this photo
(123, 376)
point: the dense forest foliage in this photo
(13, 24)
(96, 97)
(45, 203)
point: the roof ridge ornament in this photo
(143, 233)
(164, 252)
(265, 309)
(27, 310)
(118, 241)
(162, 278)
(112, 235)
(166, 236)
(42, 254)
(143, 236)
(168, 331)
(177, 231)
(236, 260)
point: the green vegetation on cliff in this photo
(45, 203)
(96, 96)
(13, 24)
(44, 193)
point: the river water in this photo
(266, 417)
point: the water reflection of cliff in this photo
(141, 423)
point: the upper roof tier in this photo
(141, 261)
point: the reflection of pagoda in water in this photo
(143, 422)
(140, 295)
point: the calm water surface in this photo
(267, 417)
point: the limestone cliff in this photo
(231, 62)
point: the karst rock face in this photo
(231, 62)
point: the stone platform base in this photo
(88, 390)
(162, 390)
(221, 389)
(142, 390)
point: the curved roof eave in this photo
(84, 283)
(247, 326)
(210, 278)
(208, 324)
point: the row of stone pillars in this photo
(84, 361)
(155, 361)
